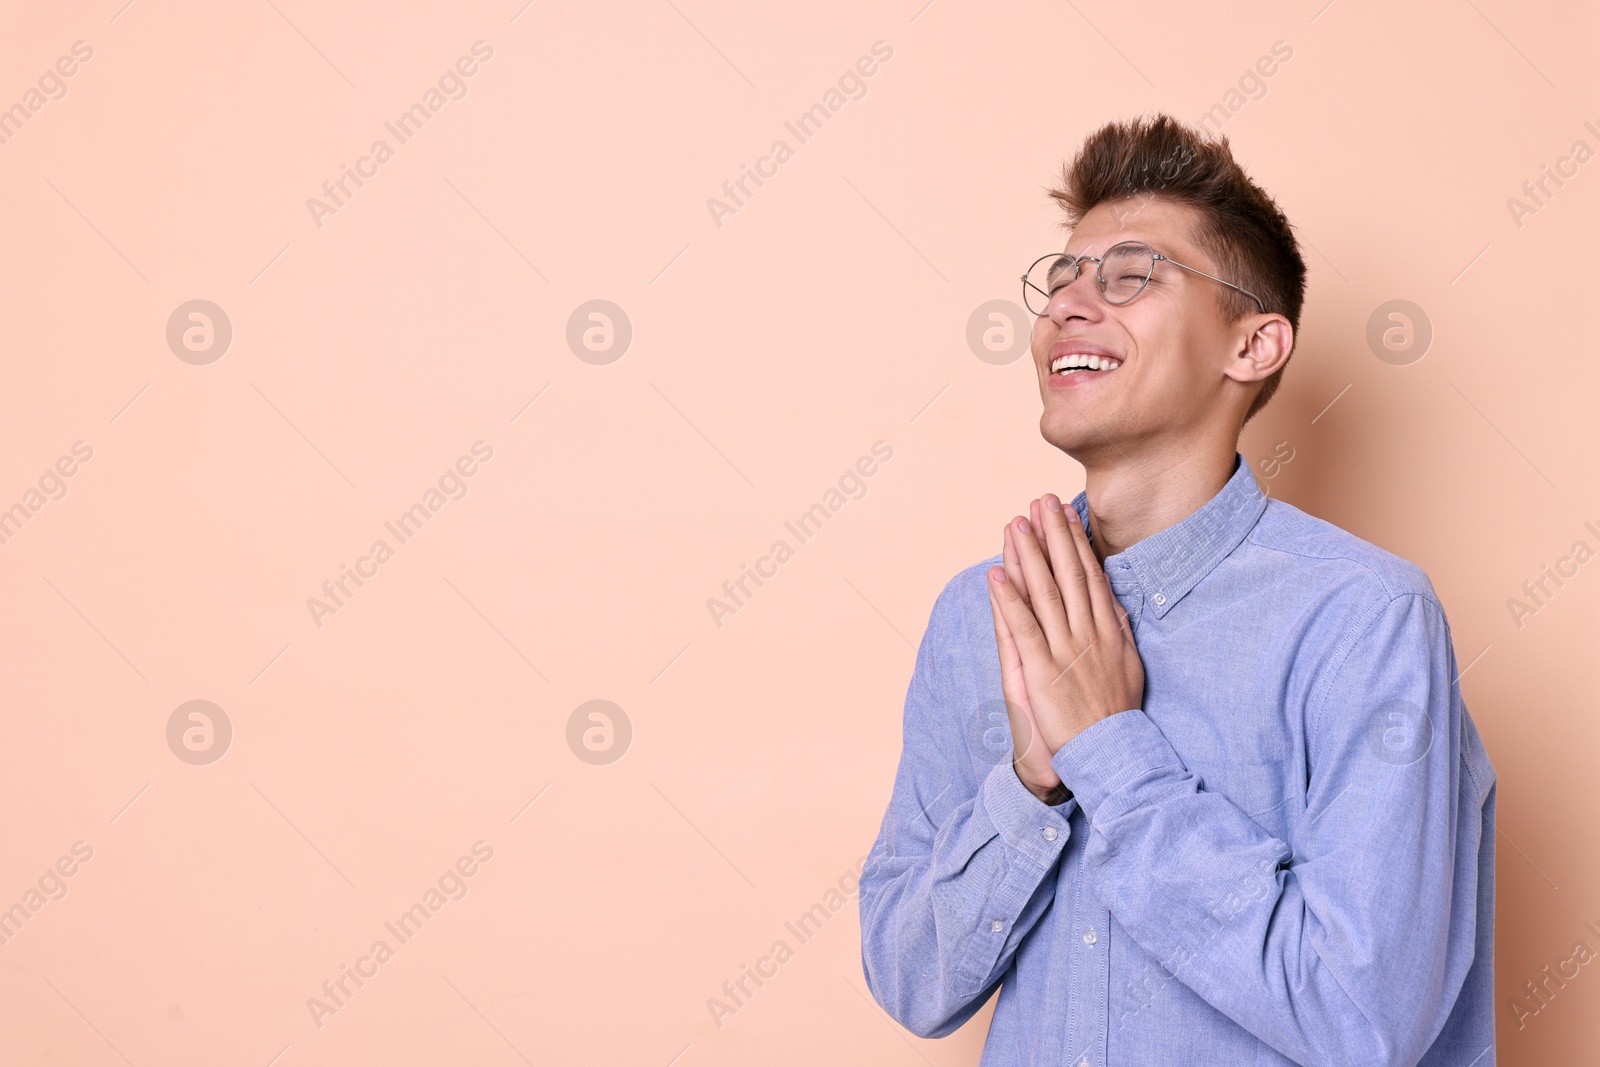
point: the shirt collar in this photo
(1169, 563)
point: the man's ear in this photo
(1262, 351)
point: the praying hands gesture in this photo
(1067, 654)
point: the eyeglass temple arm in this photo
(1214, 278)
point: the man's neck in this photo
(1130, 499)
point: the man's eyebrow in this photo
(1107, 248)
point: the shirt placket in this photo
(1125, 587)
(1089, 1018)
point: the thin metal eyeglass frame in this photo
(1100, 279)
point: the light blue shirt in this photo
(1285, 857)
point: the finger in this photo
(1029, 638)
(1010, 659)
(1044, 596)
(1012, 683)
(1067, 566)
(1013, 563)
(1097, 585)
(1068, 584)
(1036, 517)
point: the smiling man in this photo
(1186, 772)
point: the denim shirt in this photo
(1286, 856)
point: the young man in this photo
(1186, 771)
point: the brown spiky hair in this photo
(1241, 228)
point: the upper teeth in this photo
(1077, 359)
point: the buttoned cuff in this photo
(1112, 755)
(1027, 824)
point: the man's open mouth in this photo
(1075, 362)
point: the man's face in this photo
(1174, 349)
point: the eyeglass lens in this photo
(1125, 270)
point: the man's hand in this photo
(1030, 758)
(1067, 654)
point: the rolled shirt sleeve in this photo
(1351, 947)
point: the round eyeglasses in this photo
(1121, 274)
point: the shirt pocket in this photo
(1257, 785)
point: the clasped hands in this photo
(1067, 654)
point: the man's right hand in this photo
(1030, 758)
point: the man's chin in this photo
(1070, 432)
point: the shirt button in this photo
(1159, 599)
(1090, 937)
(1050, 833)
(997, 925)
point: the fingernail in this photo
(999, 576)
(1052, 502)
(1025, 526)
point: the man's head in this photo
(1197, 359)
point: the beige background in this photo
(828, 312)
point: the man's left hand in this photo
(1068, 637)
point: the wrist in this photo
(1052, 795)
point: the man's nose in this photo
(1078, 295)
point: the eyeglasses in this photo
(1121, 274)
